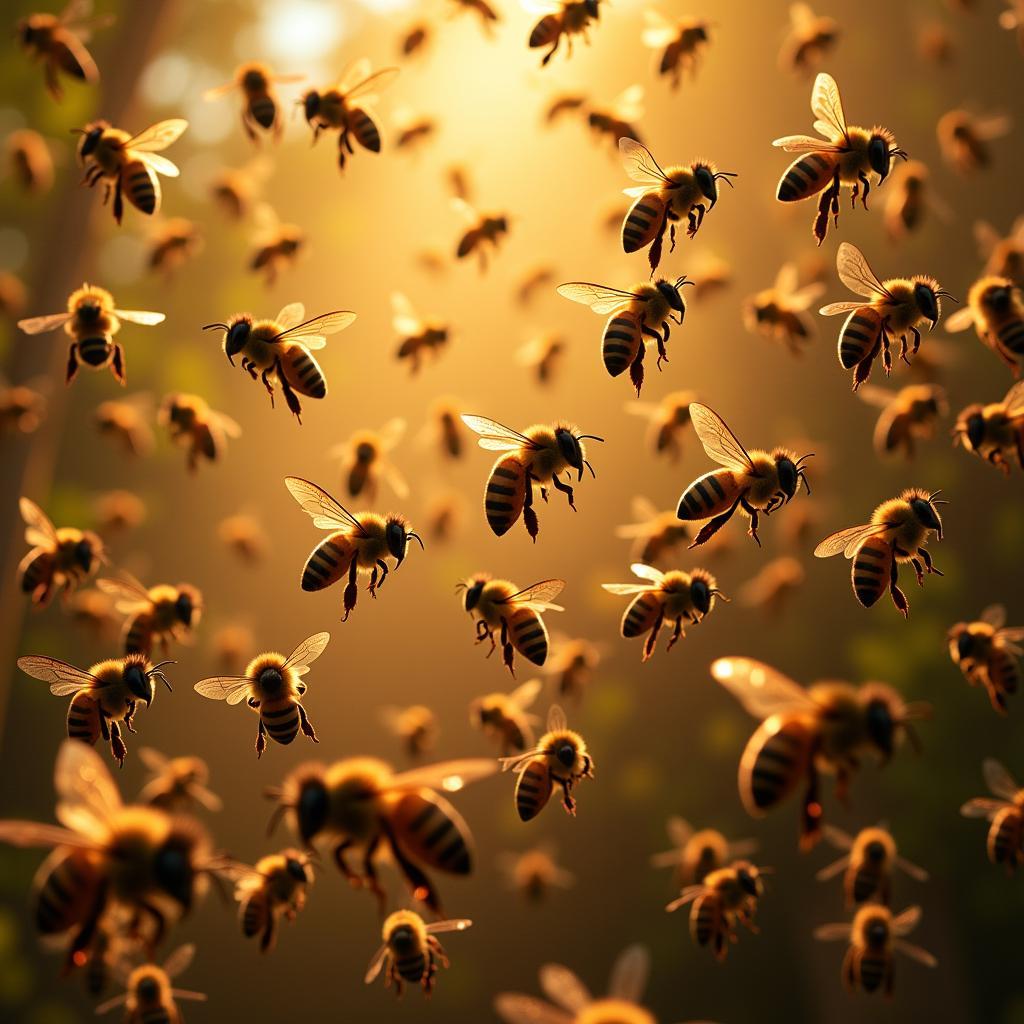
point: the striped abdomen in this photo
(533, 789)
(869, 969)
(303, 372)
(867, 881)
(1006, 837)
(139, 186)
(1004, 671)
(641, 614)
(806, 176)
(709, 495)
(871, 570)
(280, 717)
(859, 336)
(37, 569)
(432, 831)
(95, 351)
(65, 890)
(1011, 336)
(706, 922)
(620, 341)
(546, 31)
(328, 561)
(528, 634)
(776, 758)
(365, 129)
(505, 494)
(84, 718)
(263, 111)
(255, 913)
(412, 967)
(357, 478)
(138, 634)
(643, 223)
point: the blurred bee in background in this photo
(413, 131)
(29, 161)
(273, 888)
(154, 615)
(655, 534)
(415, 727)
(542, 354)
(150, 994)
(563, 104)
(237, 190)
(560, 757)
(1012, 19)
(711, 275)
(177, 783)
(532, 282)
(774, 585)
(696, 853)
(1003, 256)
(444, 515)
(22, 406)
(232, 646)
(365, 461)
(94, 612)
(356, 544)
(852, 157)
(244, 535)
(874, 935)
(411, 952)
(667, 422)
(897, 308)
(273, 687)
(936, 43)
(619, 118)
(444, 428)
(419, 337)
(1005, 814)
(276, 245)
(535, 872)
(172, 244)
(503, 717)
(483, 231)
(995, 308)
(458, 181)
(897, 534)
(193, 425)
(827, 727)
(126, 423)
(665, 597)
(572, 662)
(415, 39)
(780, 312)
(867, 866)
(682, 44)
(261, 108)
(59, 558)
(964, 138)
(12, 294)
(118, 511)
(909, 199)
(560, 18)
(91, 322)
(988, 651)
(57, 41)
(908, 415)
(811, 39)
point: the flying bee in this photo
(759, 482)
(772, 588)
(274, 888)
(667, 423)
(867, 866)
(665, 197)
(1005, 814)
(357, 543)
(415, 39)
(232, 646)
(873, 936)
(414, 726)
(655, 534)
(897, 308)
(484, 12)
(365, 461)
(177, 783)
(100, 698)
(682, 44)
(989, 652)
(150, 996)
(236, 190)
(276, 245)
(535, 872)
(852, 157)
(22, 407)
(543, 353)
(1003, 256)
(995, 308)
(57, 41)
(413, 131)
(118, 511)
(244, 535)
(482, 231)
(908, 415)
(194, 426)
(29, 160)
(532, 282)
(665, 597)
(261, 108)
(780, 312)
(280, 351)
(273, 687)
(644, 312)
(126, 423)
(536, 457)
(572, 662)
(812, 37)
(897, 534)
(91, 322)
(827, 727)
(1012, 19)
(444, 429)
(59, 558)
(563, 104)
(411, 952)
(173, 244)
(154, 615)
(964, 138)
(420, 337)
(560, 18)
(910, 197)
(696, 853)
(359, 803)
(619, 118)
(503, 717)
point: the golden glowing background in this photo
(665, 738)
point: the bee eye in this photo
(878, 156)
(706, 183)
(311, 809)
(566, 754)
(976, 429)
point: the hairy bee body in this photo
(277, 889)
(573, 19)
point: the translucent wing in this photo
(228, 425)
(31, 833)
(86, 794)
(291, 316)
(830, 871)
(376, 964)
(140, 316)
(404, 318)
(556, 719)
(625, 589)
(326, 323)
(1014, 400)
(495, 436)
(229, 688)
(876, 396)
(327, 514)
(153, 759)
(982, 807)
(308, 651)
(801, 16)
(538, 594)
(356, 72)
(848, 540)
(993, 127)
(517, 1009)
(688, 895)
(647, 572)
(562, 986)
(833, 932)
(679, 831)
(804, 144)
(451, 776)
(827, 106)
(629, 104)
(856, 274)
(598, 297)
(378, 80)
(999, 781)
(179, 960)
(158, 136)
(995, 616)
(838, 308)
(523, 696)
(40, 529)
(457, 924)
(629, 974)
(761, 689)
(960, 320)
(160, 164)
(392, 431)
(129, 592)
(720, 443)
(907, 921)
(219, 90)
(640, 164)
(922, 956)
(786, 279)
(64, 679)
(41, 324)
(837, 837)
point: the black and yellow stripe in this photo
(533, 789)
(643, 222)
(94, 351)
(281, 719)
(63, 897)
(529, 635)
(706, 920)
(263, 111)
(84, 718)
(1011, 336)
(547, 30)
(871, 570)
(641, 614)
(773, 763)
(38, 572)
(412, 968)
(707, 496)
(303, 372)
(620, 342)
(505, 494)
(327, 562)
(365, 130)
(432, 830)
(138, 637)
(1006, 837)
(254, 913)
(858, 336)
(138, 186)
(806, 176)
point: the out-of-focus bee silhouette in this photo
(415, 39)
(177, 783)
(483, 232)
(194, 426)
(411, 953)
(811, 39)
(995, 308)
(118, 511)
(420, 337)
(22, 406)
(365, 461)
(772, 587)
(710, 275)
(457, 179)
(988, 652)
(1012, 19)
(237, 190)
(276, 246)
(150, 993)
(58, 558)
(243, 534)
(503, 717)
(29, 161)
(867, 866)
(484, 12)
(909, 415)
(542, 353)
(696, 853)
(964, 137)
(261, 107)
(431, 261)
(444, 430)
(415, 727)
(126, 422)
(572, 662)
(1003, 256)
(532, 282)
(57, 41)
(655, 534)
(681, 44)
(1005, 814)
(274, 887)
(667, 422)
(13, 295)
(173, 243)
(154, 615)
(413, 131)
(617, 119)
(563, 104)
(780, 312)
(936, 43)
(534, 873)
(560, 18)
(444, 515)
(232, 647)
(908, 200)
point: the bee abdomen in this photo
(705, 921)
(529, 635)
(37, 572)
(805, 177)
(865, 885)
(254, 913)
(871, 570)
(1011, 336)
(546, 30)
(858, 336)
(62, 897)
(281, 722)
(303, 372)
(505, 494)
(327, 563)
(1004, 670)
(430, 828)
(774, 761)
(871, 971)
(264, 111)
(643, 222)
(533, 789)
(620, 342)
(94, 351)
(1005, 836)
(137, 182)
(412, 968)
(84, 719)
(707, 496)
(365, 130)
(640, 614)
(138, 638)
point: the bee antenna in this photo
(591, 437)
(461, 586)
(215, 327)
(725, 176)
(416, 537)
(160, 664)
(591, 468)
(680, 281)
(932, 495)
(948, 295)
(721, 597)
(809, 455)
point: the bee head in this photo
(964, 641)
(998, 297)
(925, 511)
(592, 7)
(874, 851)
(270, 679)
(670, 293)
(311, 104)
(236, 335)
(565, 751)
(24, 32)
(749, 877)
(881, 724)
(85, 553)
(366, 452)
(473, 587)
(311, 805)
(926, 296)
(402, 939)
(881, 149)
(140, 682)
(297, 868)
(91, 135)
(704, 590)
(876, 932)
(706, 182)
(571, 449)
(147, 988)
(791, 473)
(186, 605)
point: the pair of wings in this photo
(844, 841)
(39, 530)
(827, 107)
(856, 273)
(161, 766)
(151, 140)
(658, 30)
(1000, 783)
(130, 595)
(720, 443)
(645, 572)
(762, 690)
(50, 322)
(221, 90)
(234, 688)
(538, 596)
(599, 297)
(641, 166)
(434, 928)
(849, 540)
(557, 722)
(496, 437)
(325, 511)
(310, 333)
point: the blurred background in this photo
(665, 738)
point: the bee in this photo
(357, 543)
(173, 244)
(780, 312)
(1003, 256)
(92, 322)
(128, 165)
(497, 606)
(1005, 814)
(812, 37)
(572, 662)
(964, 139)
(150, 996)
(359, 803)
(444, 515)
(280, 351)
(236, 190)
(458, 181)
(126, 423)
(275, 887)
(655, 534)
(415, 727)
(711, 275)
(543, 353)
(897, 534)
(827, 727)
(100, 698)
(773, 586)
(58, 42)
(276, 245)
(995, 308)
(758, 482)
(485, 13)
(244, 535)
(532, 282)
(61, 558)
(411, 952)
(1012, 19)
(665, 197)
(444, 424)
(896, 309)
(12, 294)
(30, 162)
(273, 687)
(348, 108)
(22, 407)
(908, 415)
(852, 157)
(560, 18)
(103, 957)
(177, 783)
(503, 717)
(261, 108)
(193, 425)
(365, 461)
(538, 457)
(619, 118)
(420, 337)
(682, 43)
(564, 104)
(415, 39)
(643, 312)
(154, 615)
(873, 936)
(695, 854)
(988, 652)
(667, 423)
(482, 231)
(560, 757)
(535, 872)
(117, 511)
(867, 865)
(909, 199)
(412, 130)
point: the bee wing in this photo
(308, 651)
(658, 30)
(465, 210)
(376, 964)
(556, 719)
(220, 90)
(392, 431)
(64, 679)
(762, 690)
(838, 308)
(922, 956)
(833, 932)
(523, 696)
(160, 164)
(457, 924)
(876, 396)
(538, 594)
(598, 297)
(624, 589)
(679, 831)
(31, 833)
(327, 514)
(837, 837)
(563, 987)
(42, 324)
(179, 960)
(999, 781)
(326, 323)
(540, 6)
(848, 540)
(837, 867)
(801, 16)
(229, 688)
(127, 590)
(719, 442)
(786, 279)
(404, 318)
(86, 794)
(629, 105)
(638, 161)
(153, 759)
(379, 80)
(827, 106)
(688, 895)
(227, 424)
(291, 316)
(451, 776)
(804, 144)
(907, 921)
(960, 320)
(982, 807)
(647, 572)
(995, 616)
(908, 867)
(993, 127)
(1014, 400)
(157, 136)
(495, 436)
(356, 72)
(140, 316)
(40, 530)
(517, 1009)
(643, 508)
(855, 272)
(629, 974)
(75, 10)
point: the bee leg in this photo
(117, 365)
(382, 565)
(544, 494)
(866, 189)
(662, 343)
(810, 812)
(821, 218)
(372, 585)
(118, 201)
(117, 748)
(566, 490)
(692, 222)
(917, 340)
(863, 370)
(712, 526)
(898, 597)
(567, 800)
(547, 56)
(652, 638)
(928, 563)
(72, 369)
(261, 739)
(339, 858)
(853, 196)
(351, 591)
(370, 879)
(422, 888)
(677, 633)
(267, 938)
(529, 515)
(886, 352)
(753, 513)
(129, 715)
(636, 368)
(159, 925)
(507, 650)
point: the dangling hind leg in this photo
(677, 633)
(351, 591)
(898, 597)
(529, 515)
(652, 638)
(712, 526)
(565, 489)
(753, 513)
(507, 650)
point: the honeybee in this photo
(415, 727)
(758, 482)
(273, 687)
(126, 423)
(665, 597)
(533, 281)
(177, 783)
(276, 245)
(897, 534)
(58, 42)
(874, 935)
(643, 312)
(482, 231)
(117, 511)
(780, 312)
(150, 996)
(536, 457)
(896, 309)
(280, 351)
(415, 39)
(411, 952)
(260, 106)
(1012, 19)
(1003, 256)
(867, 865)
(236, 190)
(773, 586)
(1005, 844)
(91, 322)
(908, 415)
(100, 698)
(572, 662)
(936, 43)
(853, 157)
(543, 353)
(59, 558)
(244, 535)
(485, 13)
(360, 803)
(655, 534)
(412, 130)
(711, 275)
(233, 645)
(22, 407)
(560, 757)
(995, 308)
(534, 872)
(964, 138)
(173, 244)
(827, 727)
(909, 198)
(619, 118)
(156, 614)
(812, 37)
(563, 104)
(988, 652)
(696, 853)
(29, 160)
(12, 294)
(365, 461)
(503, 717)
(446, 427)
(561, 18)
(275, 887)
(193, 425)
(420, 337)
(667, 423)
(682, 43)
(357, 543)
(497, 606)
